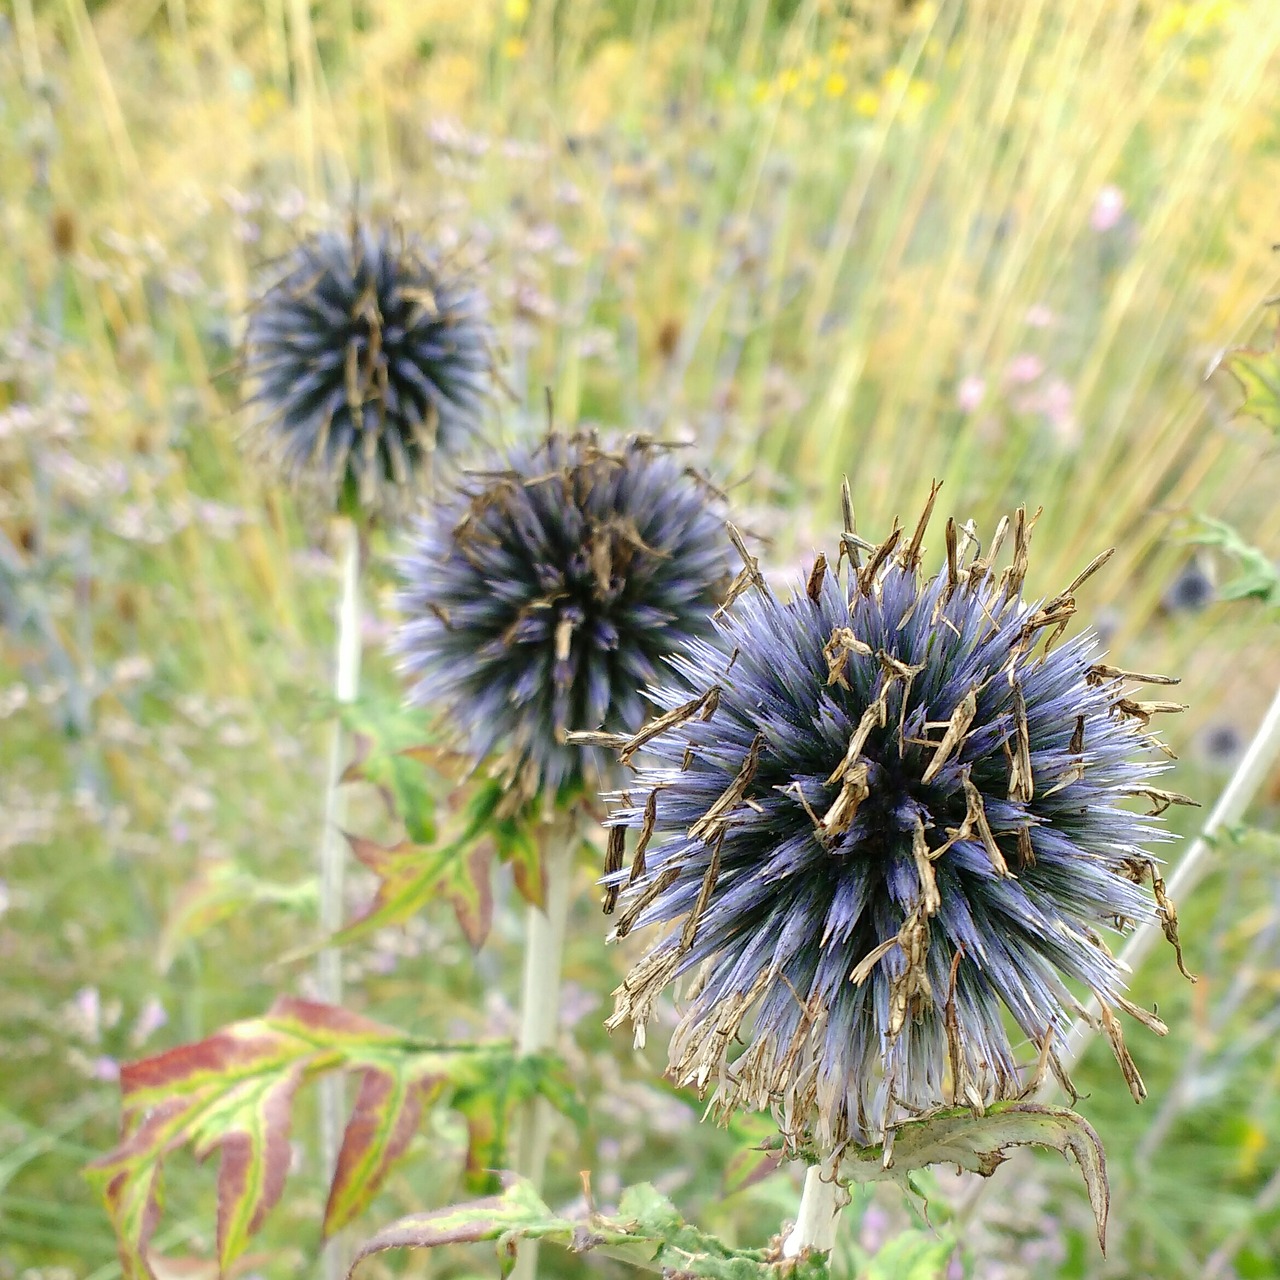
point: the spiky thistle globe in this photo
(899, 830)
(366, 359)
(546, 595)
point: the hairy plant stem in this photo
(821, 1203)
(346, 685)
(1253, 770)
(540, 1008)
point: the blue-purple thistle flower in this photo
(885, 821)
(547, 594)
(367, 360)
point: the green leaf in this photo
(1258, 578)
(520, 848)
(390, 756)
(1258, 373)
(647, 1232)
(489, 1101)
(980, 1143)
(412, 875)
(233, 1093)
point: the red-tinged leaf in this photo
(381, 736)
(518, 1210)
(411, 876)
(251, 1129)
(329, 1023)
(362, 745)
(232, 1093)
(132, 1201)
(386, 1116)
(520, 848)
(647, 1232)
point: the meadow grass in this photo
(998, 244)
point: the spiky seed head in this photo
(545, 595)
(367, 360)
(901, 826)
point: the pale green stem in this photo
(540, 1010)
(821, 1203)
(333, 848)
(1255, 768)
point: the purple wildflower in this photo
(546, 595)
(901, 821)
(366, 358)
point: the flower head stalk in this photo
(901, 824)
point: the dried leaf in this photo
(981, 1144)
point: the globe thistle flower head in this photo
(899, 830)
(367, 360)
(545, 596)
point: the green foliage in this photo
(386, 735)
(234, 1093)
(450, 846)
(456, 870)
(675, 253)
(646, 1232)
(1258, 576)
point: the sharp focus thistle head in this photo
(546, 595)
(367, 360)
(900, 828)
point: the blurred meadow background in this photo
(1001, 243)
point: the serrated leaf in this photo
(980, 1143)
(412, 875)
(517, 1212)
(647, 1232)
(1258, 373)
(232, 1093)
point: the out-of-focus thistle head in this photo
(547, 593)
(367, 360)
(885, 817)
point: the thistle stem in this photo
(821, 1203)
(540, 1010)
(346, 684)
(1253, 770)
